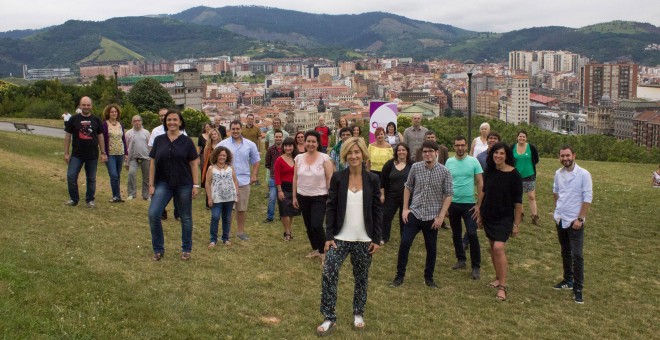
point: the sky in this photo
(475, 15)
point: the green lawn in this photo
(80, 273)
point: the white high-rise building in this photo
(516, 108)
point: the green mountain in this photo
(111, 51)
(380, 32)
(270, 32)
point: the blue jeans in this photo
(458, 212)
(183, 201)
(114, 165)
(272, 198)
(571, 242)
(217, 209)
(72, 172)
(411, 229)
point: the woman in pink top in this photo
(311, 179)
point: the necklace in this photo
(113, 123)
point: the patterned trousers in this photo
(361, 261)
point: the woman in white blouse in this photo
(480, 144)
(354, 218)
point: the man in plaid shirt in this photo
(430, 185)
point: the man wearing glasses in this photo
(430, 185)
(465, 172)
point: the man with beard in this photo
(573, 193)
(465, 172)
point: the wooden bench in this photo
(23, 127)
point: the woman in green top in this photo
(526, 157)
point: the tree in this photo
(194, 121)
(149, 95)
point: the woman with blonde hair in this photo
(354, 218)
(480, 143)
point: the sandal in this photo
(185, 256)
(326, 328)
(211, 245)
(287, 237)
(227, 243)
(358, 323)
(157, 257)
(501, 289)
(493, 284)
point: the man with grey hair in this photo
(137, 140)
(414, 136)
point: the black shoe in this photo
(563, 285)
(430, 283)
(71, 203)
(476, 273)
(577, 297)
(397, 282)
(458, 265)
(268, 220)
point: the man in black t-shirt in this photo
(84, 133)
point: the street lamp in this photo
(115, 69)
(469, 69)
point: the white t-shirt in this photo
(479, 147)
(66, 116)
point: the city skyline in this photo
(474, 15)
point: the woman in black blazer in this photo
(354, 218)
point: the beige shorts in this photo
(243, 198)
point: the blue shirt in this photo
(573, 188)
(244, 155)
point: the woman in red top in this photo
(283, 169)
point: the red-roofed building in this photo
(545, 100)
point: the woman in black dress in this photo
(501, 209)
(392, 179)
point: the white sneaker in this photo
(129, 198)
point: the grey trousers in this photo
(133, 166)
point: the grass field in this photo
(80, 273)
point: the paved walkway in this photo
(38, 130)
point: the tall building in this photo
(188, 90)
(624, 113)
(617, 81)
(515, 109)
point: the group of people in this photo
(353, 188)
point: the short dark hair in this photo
(236, 122)
(429, 132)
(345, 129)
(249, 114)
(430, 144)
(174, 112)
(494, 134)
(387, 128)
(316, 135)
(277, 131)
(567, 147)
(459, 137)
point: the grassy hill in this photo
(111, 51)
(80, 273)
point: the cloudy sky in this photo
(476, 15)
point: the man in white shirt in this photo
(573, 193)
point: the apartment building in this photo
(617, 81)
